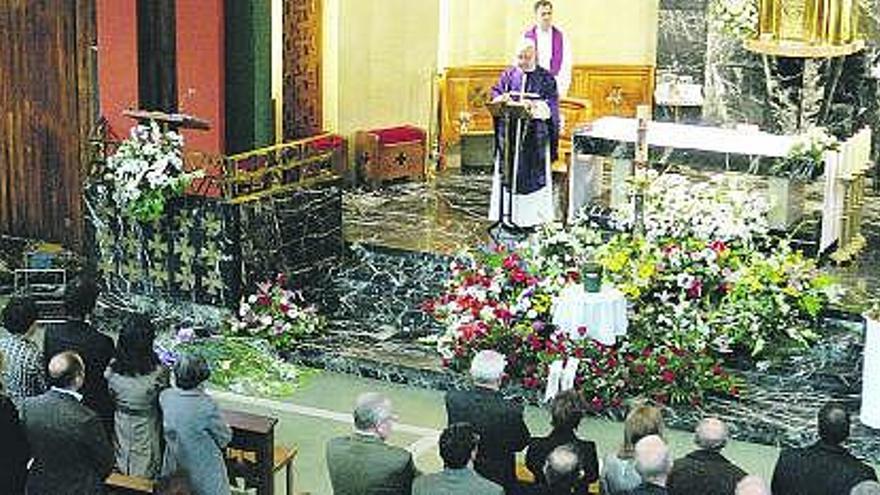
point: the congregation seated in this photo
(96, 349)
(362, 462)
(195, 432)
(15, 452)
(706, 470)
(71, 452)
(563, 472)
(567, 410)
(824, 467)
(23, 375)
(498, 421)
(653, 463)
(867, 487)
(752, 485)
(135, 378)
(618, 470)
(458, 446)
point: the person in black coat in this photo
(567, 410)
(95, 348)
(705, 470)
(498, 421)
(15, 452)
(824, 468)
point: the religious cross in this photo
(400, 159)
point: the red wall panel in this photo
(117, 61)
(200, 70)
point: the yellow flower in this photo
(646, 270)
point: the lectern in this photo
(514, 116)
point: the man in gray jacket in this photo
(362, 463)
(458, 446)
(72, 455)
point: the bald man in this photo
(705, 470)
(653, 462)
(72, 455)
(752, 485)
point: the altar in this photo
(745, 149)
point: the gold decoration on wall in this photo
(807, 28)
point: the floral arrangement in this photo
(806, 158)
(737, 18)
(719, 209)
(146, 170)
(276, 314)
(695, 302)
(499, 301)
(238, 364)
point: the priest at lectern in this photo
(533, 143)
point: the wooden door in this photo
(46, 111)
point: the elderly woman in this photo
(619, 473)
(135, 378)
(195, 432)
(567, 410)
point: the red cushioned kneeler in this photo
(390, 153)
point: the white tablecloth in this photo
(603, 313)
(870, 413)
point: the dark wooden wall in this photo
(302, 69)
(46, 112)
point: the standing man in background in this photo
(554, 52)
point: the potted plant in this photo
(805, 161)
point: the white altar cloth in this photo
(695, 137)
(602, 314)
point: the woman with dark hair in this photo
(566, 412)
(195, 432)
(135, 377)
(24, 375)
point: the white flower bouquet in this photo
(146, 170)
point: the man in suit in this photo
(72, 455)
(653, 464)
(825, 467)
(95, 348)
(499, 422)
(458, 445)
(362, 463)
(564, 471)
(705, 470)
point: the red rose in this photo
(646, 352)
(510, 262)
(667, 376)
(597, 403)
(662, 360)
(640, 369)
(716, 370)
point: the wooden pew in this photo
(121, 484)
(252, 453)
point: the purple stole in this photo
(556, 56)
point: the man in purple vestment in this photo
(554, 52)
(532, 201)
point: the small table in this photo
(602, 313)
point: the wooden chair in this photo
(282, 457)
(122, 484)
(574, 112)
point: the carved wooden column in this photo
(302, 68)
